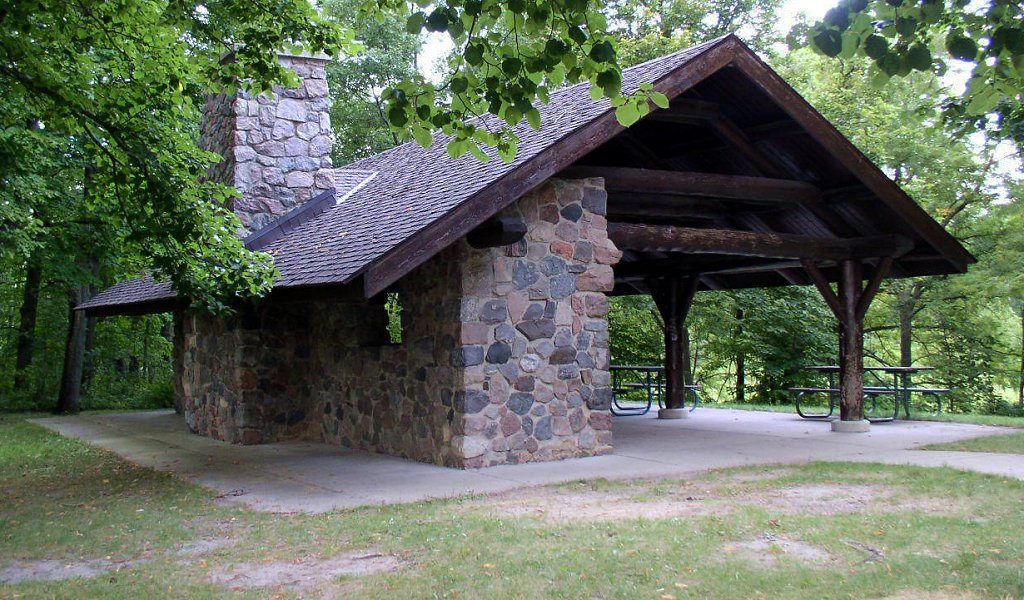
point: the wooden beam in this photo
(667, 238)
(850, 303)
(638, 151)
(163, 305)
(735, 187)
(498, 231)
(624, 204)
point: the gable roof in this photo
(419, 200)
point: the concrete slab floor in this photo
(309, 477)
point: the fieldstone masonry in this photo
(534, 333)
(504, 360)
(276, 148)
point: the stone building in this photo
(503, 270)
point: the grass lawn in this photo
(824, 530)
(1012, 443)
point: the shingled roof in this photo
(400, 207)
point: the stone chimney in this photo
(276, 148)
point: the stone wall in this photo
(276, 148)
(504, 358)
(325, 371)
(535, 333)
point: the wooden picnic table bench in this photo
(901, 395)
(649, 379)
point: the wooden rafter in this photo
(734, 187)
(667, 238)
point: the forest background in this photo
(743, 346)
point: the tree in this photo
(646, 29)
(357, 82)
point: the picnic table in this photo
(649, 382)
(901, 390)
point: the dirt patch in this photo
(59, 569)
(667, 500)
(768, 551)
(305, 573)
(56, 570)
(204, 546)
(821, 498)
(567, 505)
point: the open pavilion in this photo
(504, 268)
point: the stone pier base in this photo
(851, 426)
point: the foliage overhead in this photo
(903, 36)
(507, 57)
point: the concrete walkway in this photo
(307, 477)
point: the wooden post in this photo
(673, 295)
(849, 306)
(851, 344)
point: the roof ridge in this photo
(277, 229)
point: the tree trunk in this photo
(741, 359)
(147, 333)
(27, 324)
(89, 359)
(69, 400)
(89, 366)
(1020, 387)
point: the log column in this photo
(673, 295)
(851, 344)
(850, 304)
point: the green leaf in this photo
(983, 102)
(829, 42)
(880, 79)
(906, 25)
(474, 55)
(627, 114)
(577, 35)
(397, 116)
(533, 118)
(962, 48)
(478, 152)
(422, 137)
(459, 85)
(414, 24)
(919, 57)
(603, 52)
(876, 47)
(660, 100)
(437, 21)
